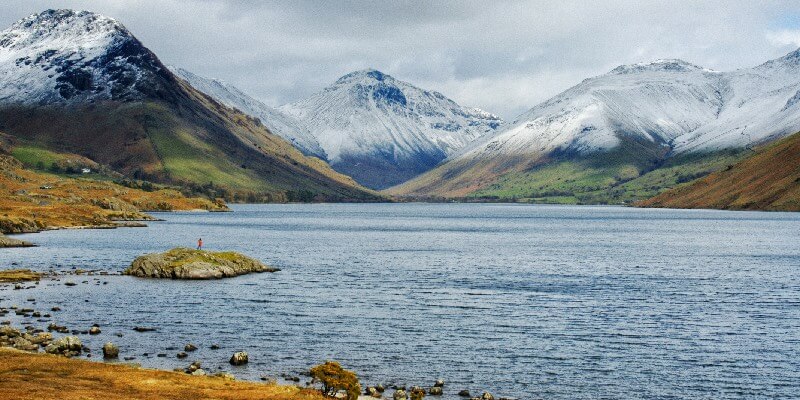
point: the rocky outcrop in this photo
(183, 263)
(239, 358)
(6, 241)
(68, 346)
(18, 275)
(110, 351)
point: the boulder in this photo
(399, 394)
(41, 338)
(6, 241)
(183, 263)
(94, 330)
(194, 366)
(110, 351)
(225, 375)
(439, 383)
(435, 391)
(8, 331)
(189, 347)
(487, 396)
(239, 358)
(68, 346)
(464, 393)
(21, 343)
(417, 393)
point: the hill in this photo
(767, 180)
(620, 126)
(383, 131)
(81, 83)
(31, 201)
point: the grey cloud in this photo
(502, 56)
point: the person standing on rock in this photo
(200, 244)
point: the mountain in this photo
(383, 131)
(767, 180)
(620, 126)
(81, 83)
(277, 122)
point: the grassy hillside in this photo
(528, 176)
(594, 180)
(31, 201)
(634, 171)
(187, 139)
(766, 180)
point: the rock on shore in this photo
(6, 241)
(18, 275)
(184, 263)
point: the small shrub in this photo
(335, 378)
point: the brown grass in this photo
(767, 180)
(32, 201)
(18, 275)
(43, 376)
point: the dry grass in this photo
(18, 275)
(767, 180)
(43, 376)
(31, 201)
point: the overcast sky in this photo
(504, 57)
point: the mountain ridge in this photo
(383, 131)
(107, 97)
(673, 107)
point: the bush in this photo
(335, 378)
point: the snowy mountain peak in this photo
(55, 23)
(364, 75)
(383, 131)
(671, 105)
(64, 56)
(660, 65)
(790, 62)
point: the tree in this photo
(335, 378)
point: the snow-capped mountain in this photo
(65, 56)
(760, 104)
(276, 121)
(648, 111)
(383, 131)
(669, 103)
(657, 102)
(110, 99)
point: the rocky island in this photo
(184, 263)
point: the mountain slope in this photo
(277, 122)
(77, 202)
(79, 82)
(382, 131)
(767, 180)
(640, 115)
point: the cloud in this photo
(503, 56)
(785, 38)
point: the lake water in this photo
(554, 302)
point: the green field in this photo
(603, 179)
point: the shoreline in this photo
(25, 375)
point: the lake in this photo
(524, 301)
